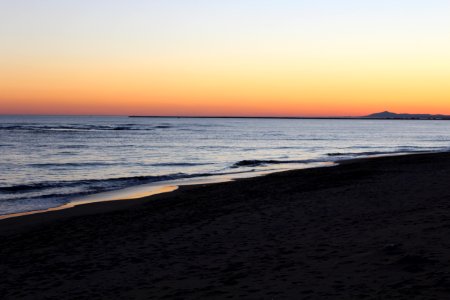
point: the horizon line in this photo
(367, 117)
(182, 116)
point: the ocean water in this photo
(47, 161)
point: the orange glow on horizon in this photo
(223, 92)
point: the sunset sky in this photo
(235, 57)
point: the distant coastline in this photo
(250, 117)
(376, 116)
(385, 115)
(431, 118)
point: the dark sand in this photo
(368, 229)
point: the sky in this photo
(224, 58)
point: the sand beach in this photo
(373, 228)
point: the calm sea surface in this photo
(46, 161)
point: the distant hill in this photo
(391, 115)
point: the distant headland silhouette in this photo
(395, 116)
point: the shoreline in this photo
(139, 192)
(72, 209)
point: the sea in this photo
(51, 161)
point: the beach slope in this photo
(367, 229)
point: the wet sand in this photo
(367, 229)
